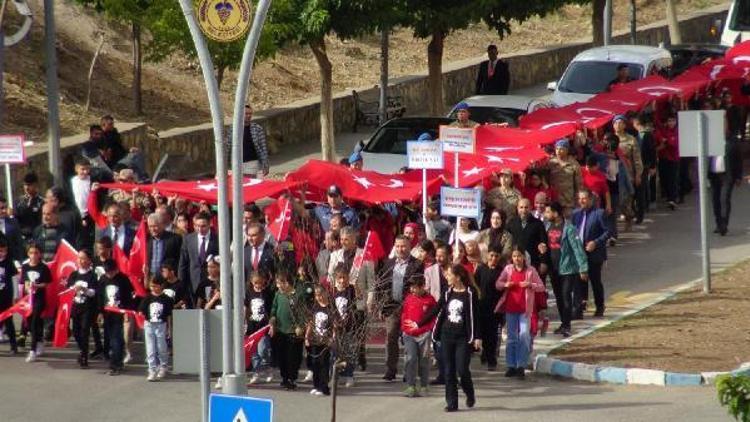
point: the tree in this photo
(307, 23)
(675, 37)
(133, 13)
(597, 21)
(436, 19)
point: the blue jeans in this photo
(519, 340)
(262, 357)
(157, 355)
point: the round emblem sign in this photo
(224, 20)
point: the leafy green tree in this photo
(307, 23)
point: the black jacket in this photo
(498, 84)
(171, 245)
(648, 149)
(383, 288)
(442, 310)
(528, 238)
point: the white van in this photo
(592, 70)
(737, 25)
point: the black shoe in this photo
(451, 408)
(284, 383)
(291, 385)
(723, 231)
(389, 376)
(438, 381)
(717, 230)
(114, 372)
(566, 333)
(470, 401)
(98, 354)
(520, 373)
(599, 312)
(511, 372)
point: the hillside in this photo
(173, 93)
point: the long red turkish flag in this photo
(62, 320)
(64, 263)
(22, 307)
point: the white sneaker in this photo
(31, 357)
(39, 349)
(151, 376)
(254, 379)
(161, 373)
(317, 393)
(218, 385)
(127, 358)
(269, 376)
(349, 382)
(314, 392)
(308, 377)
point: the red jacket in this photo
(668, 137)
(414, 309)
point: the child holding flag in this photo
(36, 277)
(85, 282)
(116, 292)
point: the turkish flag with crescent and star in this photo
(251, 344)
(279, 217)
(21, 307)
(64, 263)
(123, 263)
(62, 320)
(138, 257)
(372, 250)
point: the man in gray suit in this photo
(196, 247)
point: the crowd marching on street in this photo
(322, 269)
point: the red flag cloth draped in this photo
(368, 187)
(123, 263)
(137, 258)
(62, 320)
(251, 344)
(488, 136)
(208, 190)
(279, 217)
(739, 50)
(92, 207)
(140, 320)
(64, 263)
(655, 86)
(21, 307)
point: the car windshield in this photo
(391, 139)
(741, 18)
(593, 77)
(494, 115)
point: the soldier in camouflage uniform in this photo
(505, 196)
(629, 149)
(565, 176)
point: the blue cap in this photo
(425, 137)
(619, 117)
(462, 106)
(562, 143)
(356, 156)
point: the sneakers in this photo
(411, 391)
(308, 377)
(151, 376)
(219, 385)
(349, 382)
(114, 372)
(31, 357)
(161, 373)
(254, 379)
(40, 349)
(269, 376)
(511, 372)
(315, 392)
(127, 358)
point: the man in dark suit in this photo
(528, 233)
(258, 254)
(121, 234)
(196, 247)
(493, 77)
(161, 245)
(591, 224)
(396, 279)
(12, 230)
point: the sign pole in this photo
(8, 185)
(205, 373)
(458, 219)
(424, 197)
(217, 118)
(702, 174)
(236, 382)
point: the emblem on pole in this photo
(224, 20)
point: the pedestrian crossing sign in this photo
(226, 408)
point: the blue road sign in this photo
(225, 408)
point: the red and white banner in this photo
(279, 217)
(21, 307)
(123, 263)
(140, 319)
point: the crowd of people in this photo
(444, 288)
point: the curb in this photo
(629, 376)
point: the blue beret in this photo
(425, 137)
(619, 117)
(462, 106)
(562, 143)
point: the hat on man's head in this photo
(356, 156)
(562, 143)
(506, 172)
(462, 106)
(619, 117)
(425, 137)
(333, 190)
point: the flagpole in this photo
(424, 197)
(458, 219)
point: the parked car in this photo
(684, 56)
(592, 70)
(385, 150)
(499, 108)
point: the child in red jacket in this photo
(416, 340)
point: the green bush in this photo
(734, 393)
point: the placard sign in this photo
(457, 139)
(424, 155)
(689, 136)
(457, 202)
(12, 150)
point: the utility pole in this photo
(383, 104)
(53, 94)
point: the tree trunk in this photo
(327, 142)
(674, 25)
(435, 70)
(383, 106)
(597, 21)
(91, 71)
(220, 75)
(137, 69)
(633, 23)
